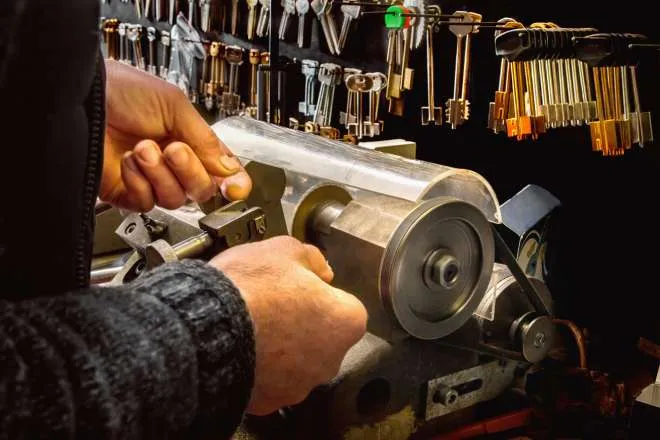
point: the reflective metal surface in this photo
(387, 251)
(509, 321)
(349, 165)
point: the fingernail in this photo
(236, 187)
(230, 163)
(179, 157)
(148, 154)
(129, 161)
(233, 191)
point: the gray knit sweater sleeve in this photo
(170, 355)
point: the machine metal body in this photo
(448, 327)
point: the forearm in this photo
(167, 356)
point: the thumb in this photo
(189, 127)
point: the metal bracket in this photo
(138, 230)
(228, 226)
(467, 387)
(235, 224)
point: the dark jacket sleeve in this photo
(170, 355)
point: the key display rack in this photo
(561, 95)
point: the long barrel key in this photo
(431, 114)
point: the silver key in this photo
(350, 13)
(302, 8)
(358, 85)
(329, 77)
(309, 69)
(139, 8)
(205, 13)
(289, 10)
(263, 26)
(348, 116)
(151, 36)
(322, 10)
(134, 34)
(121, 31)
(191, 12)
(158, 12)
(373, 127)
(147, 9)
(165, 61)
(641, 121)
(252, 18)
(431, 114)
(231, 100)
(172, 10)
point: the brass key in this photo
(498, 110)
(252, 18)
(457, 108)
(254, 57)
(520, 126)
(603, 131)
(537, 120)
(111, 38)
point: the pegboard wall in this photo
(605, 241)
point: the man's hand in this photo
(303, 326)
(158, 149)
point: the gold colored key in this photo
(603, 132)
(499, 109)
(520, 126)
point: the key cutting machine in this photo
(448, 326)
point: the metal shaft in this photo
(430, 71)
(99, 276)
(192, 246)
(458, 67)
(466, 67)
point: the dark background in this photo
(604, 240)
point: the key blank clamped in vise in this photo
(150, 235)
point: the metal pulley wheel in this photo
(515, 324)
(436, 267)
